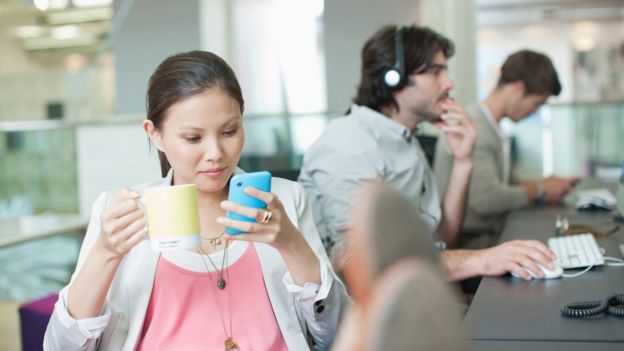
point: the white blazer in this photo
(119, 326)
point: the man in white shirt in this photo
(405, 82)
(527, 80)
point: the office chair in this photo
(428, 143)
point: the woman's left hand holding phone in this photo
(278, 232)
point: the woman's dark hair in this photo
(420, 45)
(532, 68)
(181, 76)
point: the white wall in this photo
(152, 31)
(455, 19)
(215, 27)
(347, 25)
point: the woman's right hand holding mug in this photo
(122, 225)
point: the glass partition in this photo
(571, 139)
(39, 167)
(38, 172)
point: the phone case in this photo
(258, 180)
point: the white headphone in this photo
(394, 77)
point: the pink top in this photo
(182, 313)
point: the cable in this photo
(618, 262)
(613, 304)
(574, 275)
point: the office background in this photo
(73, 75)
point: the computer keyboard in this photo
(576, 251)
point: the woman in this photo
(279, 290)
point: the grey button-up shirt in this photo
(365, 146)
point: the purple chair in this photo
(34, 317)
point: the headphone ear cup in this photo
(392, 79)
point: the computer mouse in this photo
(548, 273)
(592, 206)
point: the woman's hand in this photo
(122, 225)
(273, 227)
(278, 231)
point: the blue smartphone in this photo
(258, 180)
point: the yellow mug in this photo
(173, 217)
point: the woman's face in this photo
(202, 137)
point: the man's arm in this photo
(511, 256)
(454, 202)
(551, 189)
(460, 136)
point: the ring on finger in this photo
(267, 217)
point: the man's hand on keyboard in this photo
(514, 256)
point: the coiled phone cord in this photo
(613, 304)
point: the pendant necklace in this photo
(230, 344)
(221, 280)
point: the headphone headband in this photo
(394, 77)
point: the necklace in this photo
(215, 241)
(230, 344)
(221, 282)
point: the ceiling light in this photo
(91, 3)
(42, 5)
(584, 35)
(45, 5)
(583, 44)
(80, 15)
(65, 32)
(58, 4)
(50, 43)
(29, 31)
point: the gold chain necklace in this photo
(221, 282)
(230, 344)
(215, 241)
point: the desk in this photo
(26, 228)
(494, 345)
(510, 313)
